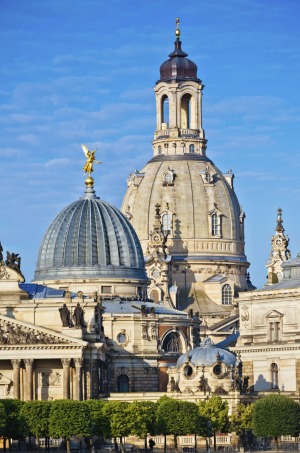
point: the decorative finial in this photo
(177, 32)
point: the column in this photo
(16, 377)
(66, 378)
(29, 386)
(78, 368)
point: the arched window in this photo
(192, 148)
(123, 383)
(226, 295)
(154, 295)
(159, 149)
(186, 111)
(215, 225)
(167, 223)
(165, 110)
(172, 343)
(274, 376)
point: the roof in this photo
(117, 306)
(229, 341)
(36, 291)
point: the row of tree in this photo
(273, 415)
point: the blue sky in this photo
(83, 71)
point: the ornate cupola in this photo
(179, 106)
(279, 252)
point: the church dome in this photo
(178, 67)
(90, 238)
(207, 355)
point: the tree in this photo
(276, 415)
(142, 418)
(15, 426)
(69, 418)
(36, 415)
(100, 423)
(117, 413)
(215, 411)
(2, 420)
(178, 418)
(241, 422)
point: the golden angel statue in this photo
(90, 160)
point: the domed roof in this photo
(178, 67)
(207, 354)
(90, 238)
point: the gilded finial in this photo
(177, 32)
(88, 166)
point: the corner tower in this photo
(197, 258)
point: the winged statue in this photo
(90, 160)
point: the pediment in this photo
(274, 314)
(15, 333)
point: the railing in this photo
(189, 133)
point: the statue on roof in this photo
(90, 160)
(13, 261)
(1, 254)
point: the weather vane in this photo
(90, 160)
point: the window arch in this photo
(192, 148)
(274, 376)
(165, 109)
(123, 383)
(226, 295)
(166, 221)
(172, 343)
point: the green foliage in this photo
(100, 423)
(142, 418)
(2, 420)
(69, 418)
(215, 411)
(177, 417)
(117, 412)
(242, 420)
(276, 415)
(36, 415)
(15, 426)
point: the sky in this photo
(83, 71)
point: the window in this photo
(168, 178)
(159, 149)
(215, 225)
(167, 223)
(106, 289)
(123, 383)
(172, 343)
(274, 331)
(154, 295)
(192, 148)
(217, 370)
(186, 111)
(165, 110)
(188, 371)
(274, 376)
(226, 295)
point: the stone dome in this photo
(90, 238)
(207, 355)
(178, 67)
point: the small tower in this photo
(279, 252)
(179, 106)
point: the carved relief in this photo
(4, 273)
(51, 379)
(245, 313)
(14, 334)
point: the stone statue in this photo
(90, 159)
(1, 254)
(172, 384)
(65, 316)
(13, 261)
(78, 316)
(99, 309)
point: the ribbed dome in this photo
(178, 67)
(90, 239)
(207, 355)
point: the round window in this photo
(155, 273)
(217, 370)
(188, 371)
(121, 338)
(168, 178)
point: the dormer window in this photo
(215, 218)
(166, 223)
(192, 148)
(226, 295)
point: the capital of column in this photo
(78, 362)
(16, 363)
(65, 362)
(28, 362)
